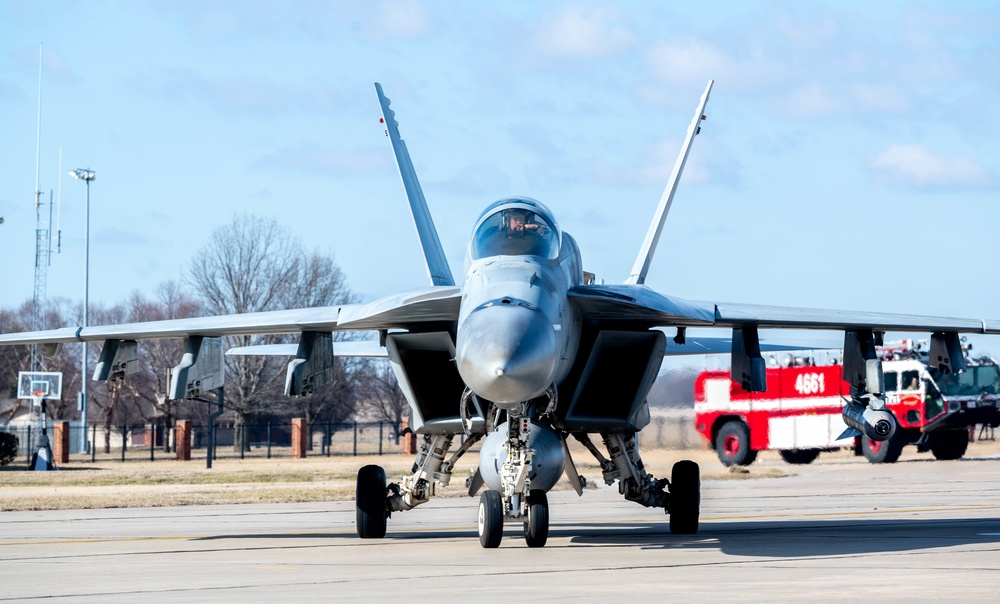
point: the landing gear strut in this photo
(680, 496)
(375, 500)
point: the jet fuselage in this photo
(517, 332)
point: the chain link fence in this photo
(145, 442)
(150, 442)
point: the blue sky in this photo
(850, 158)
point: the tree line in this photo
(249, 265)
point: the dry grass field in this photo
(82, 484)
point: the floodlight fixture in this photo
(86, 175)
(83, 174)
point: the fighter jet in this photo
(526, 352)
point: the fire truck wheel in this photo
(950, 444)
(799, 456)
(733, 444)
(883, 452)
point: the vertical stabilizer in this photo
(437, 262)
(645, 257)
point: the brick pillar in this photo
(60, 442)
(299, 435)
(182, 444)
(409, 442)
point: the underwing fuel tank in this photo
(878, 425)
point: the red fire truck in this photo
(799, 414)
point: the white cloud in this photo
(691, 61)
(311, 158)
(476, 180)
(115, 236)
(397, 19)
(811, 100)
(815, 100)
(805, 32)
(251, 94)
(879, 97)
(660, 159)
(688, 60)
(915, 165)
(577, 32)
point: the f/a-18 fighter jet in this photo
(526, 352)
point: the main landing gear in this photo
(375, 500)
(680, 496)
(370, 503)
(519, 462)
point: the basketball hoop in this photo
(37, 386)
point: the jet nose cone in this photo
(507, 353)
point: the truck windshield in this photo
(976, 380)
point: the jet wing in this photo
(429, 304)
(699, 345)
(737, 315)
(640, 306)
(365, 348)
(436, 304)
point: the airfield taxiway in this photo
(839, 529)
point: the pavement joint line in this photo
(428, 529)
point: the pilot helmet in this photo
(505, 219)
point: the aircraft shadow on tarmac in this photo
(799, 539)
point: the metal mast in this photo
(41, 237)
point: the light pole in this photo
(86, 175)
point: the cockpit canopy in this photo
(518, 226)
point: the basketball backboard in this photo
(39, 384)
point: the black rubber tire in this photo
(732, 444)
(799, 456)
(490, 519)
(950, 444)
(685, 498)
(370, 503)
(887, 451)
(536, 527)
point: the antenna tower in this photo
(43, 237)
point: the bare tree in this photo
(382, 394)
(140, 398)
(145, 392)
(14, 359)
(254, 265)
(62, 311)
(107, 398)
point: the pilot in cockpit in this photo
(515, 231)
(516, 224)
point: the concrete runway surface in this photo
(839, 530)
